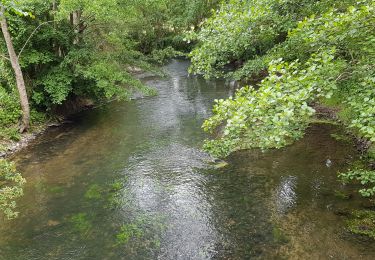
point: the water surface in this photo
(129, 181)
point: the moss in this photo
(362, 223)
(93, 192)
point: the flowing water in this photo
(130, 181)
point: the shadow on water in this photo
(129, 181)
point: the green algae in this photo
(342, 195)
(128, 231)
(94, 192)
(80, 223)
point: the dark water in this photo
(129, 181)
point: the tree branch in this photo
(4, 57)
(31, 35)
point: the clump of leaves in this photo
(11, 188)
(328, 55)
(161, 56)
(277, 113)
(364, 177)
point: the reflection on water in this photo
(286, 195)
(129, 181)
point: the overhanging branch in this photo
(31, 35)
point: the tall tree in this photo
(25, 124)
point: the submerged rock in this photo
(52, 223)
(220, 164)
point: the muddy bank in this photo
(8, 147)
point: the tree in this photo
(14, 60)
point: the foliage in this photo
(10, 111)
(11, 183)
(276, 113)
(161, 56)
(364, 177)
(244, 31)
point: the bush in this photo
(11, 183)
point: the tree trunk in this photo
(55, 46)
(76, 22)
(25, 124)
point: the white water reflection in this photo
(286, 196)
(165, 181)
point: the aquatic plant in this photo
(55, 189)
(145, 229)
(93, 192)
(80, 223)
(362, 223)
(117, 185)
(128, 231)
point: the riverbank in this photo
(9, 146)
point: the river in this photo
(129, 181)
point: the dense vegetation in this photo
(303, 53)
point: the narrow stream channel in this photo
(130, 181)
